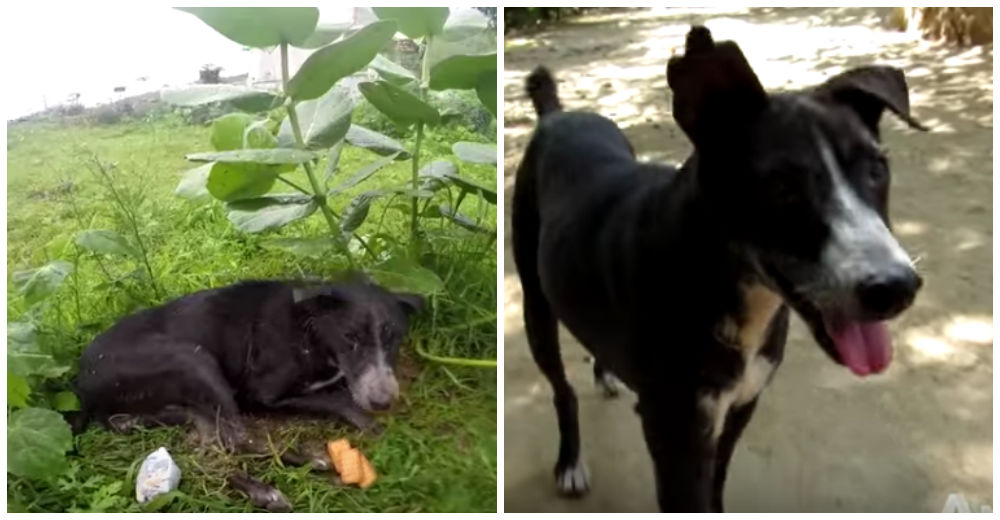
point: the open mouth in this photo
(862, 344)
(865, 347)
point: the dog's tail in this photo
(541, 87)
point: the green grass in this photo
(438, 451)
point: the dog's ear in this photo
(715, 90)
(870, 90)
(319, 297)
(410, 303)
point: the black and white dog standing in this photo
(680, 282)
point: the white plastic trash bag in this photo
(157, 475)
(957, 503)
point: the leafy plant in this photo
(309, 122)
(37, 438)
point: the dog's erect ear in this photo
(870, 90)
(410, 303)
(715, 90)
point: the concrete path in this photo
(821, 440)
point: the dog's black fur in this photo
(326, 349)
(680, 282)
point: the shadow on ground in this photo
(822, 440)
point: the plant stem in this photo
(318, 194)
(292, 184)
(130, 218)
(481, 363)
(424, 79)
(415, 181)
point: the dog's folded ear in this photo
(870, 90)
(318, 295)
(715, 90)
(410, 303)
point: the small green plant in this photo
(308, 123)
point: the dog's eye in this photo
(878, 171)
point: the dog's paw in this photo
(260, 494)
(574, 480)
(608, 384)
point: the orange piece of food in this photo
(335, 449)
(368, 475)
(351, 471)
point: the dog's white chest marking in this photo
(747, 334)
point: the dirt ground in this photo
(821, 440)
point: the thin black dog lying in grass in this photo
(680, 282)
(327, 350)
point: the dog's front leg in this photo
(682, 451)
(338, 403)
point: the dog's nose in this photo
(379, 404)
(888, 293)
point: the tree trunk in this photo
(959, 25)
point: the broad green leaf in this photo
(399, 105)
(440, 49)
(234, 181)
(462, 220)
(446, 171)
(362, 137)
(228, 130)
(194, 182)
(356, 212)
(399, 273)
(260, 26)
(265, 156)
(243, 98)
(308, 247)
(17, 390)
(363, 173)
(326, 33)
(440, 168)
(37, 442)
(479, 153)
(106, 241)
(463, 23)
(37, 284)
(486, 90)
(65, 401)
(323, 121)
(327, 65)
(26, 364)
(415, 22)
(391, 71)
(258, 135)
(21, 336)
(256, 215)
(23, 355)
(462, 71)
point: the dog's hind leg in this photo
(541, 326)
(572, 476)
(606, 381)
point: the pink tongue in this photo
(865, 347)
